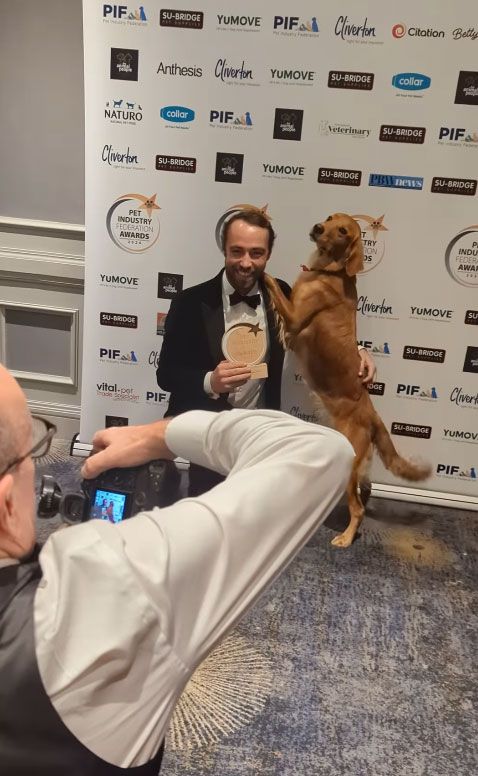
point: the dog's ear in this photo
(354, 263)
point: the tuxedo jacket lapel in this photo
(213, 315)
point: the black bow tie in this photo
(253, 301)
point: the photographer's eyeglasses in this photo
(42, 433)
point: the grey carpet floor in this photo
(358, 662)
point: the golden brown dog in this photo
(319, 325)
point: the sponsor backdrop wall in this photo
(302, 108)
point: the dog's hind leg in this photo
(360, 440)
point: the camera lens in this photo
(50, 497)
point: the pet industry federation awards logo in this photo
(461, 257)
(133, 223)
(231, 211)
(372, 239)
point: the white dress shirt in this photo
(126, 612)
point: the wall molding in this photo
(42, 228)
(53, 409)
(418, 496)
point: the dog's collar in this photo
(323, 271)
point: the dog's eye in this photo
(342, 230)
(329, 218)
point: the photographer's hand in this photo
(124, 446)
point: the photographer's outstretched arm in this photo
(127, 446)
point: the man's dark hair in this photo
(252, 217)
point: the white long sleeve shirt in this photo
(125, 613)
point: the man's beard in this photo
(243, 282)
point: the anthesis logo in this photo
(458, 137)
(467, 88)
(231, 211)
(229, 167)
(295, 26)
(411, 430)
(431, 313)
(471, 359)
(175, 163)
(112, 421)
(119, 281)
(459, 33)
(124, 64)
(401, 30)
(376, 389)
(411, 82)
(121, 14)
(160, 323)
(372, 240)
(471, 317)
(233, 74)
(416, 353)
(398, 134)
(227, 119)
(177, 115)
(291, 172)
(156, 397)
(117, 393)
(355, 33)
(327, 128)
(120, 159)
(185, 71)
(462, 398)
(116, 356)
(395, 181)
(169, 285)
(346, 79)
(190, 20)
(339, 177)
(458, 435)
(455, 471)
(123, 112)
(132, 222)
(240, 23)
(461, 257)
(119, 319)
(288, 124)
(378, 350)
(465, 186)
(372, 309)
(292, 77)
(405, 391)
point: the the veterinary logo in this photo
(120, 159)
(119, 281)
(471, 317)
(392, 133)
(177, 116)
(124, 64)
(459, 435)
(160, 323)
(156, 397)
(467, 88)
(288, 124)
(122, 14)
(411, 430)
(458, 137)
(169, 285)
(185, 71)
(371, 308)
(234, 74)
(296, 27)
(464, 186)
(471, 359)
(116, 392)
(238, 23)
(339, 177)
(132, 222)
(461, 257)
(111, 421)
(405, 391)
(355, 33)
(468, 33)
(123, 112)
(401, 31)
(346, 79)
(395, 181)
(290, 172)
(189, 20)
(333, 128)
(372, 239)
(229, 167)
(175, 163)
(121, 320)
(116, 356)
(292, 77)
(463, 399)
(411, 84)
(382, 349)
(416, 353)
(456, 472)
(431, 313)
(231, 211)
(227, 119)
(376, 389)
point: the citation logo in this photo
(123, 112)
(411, 82)
(115, 392)
(177, 115)
(161, 323)
(471, 317)
(174, 69)
(373, 239)
(227, 119)
(416, 353)
(175, 164)
(455, 471)
(119, 319)
(401, 31)
(132, 222)
(395, 181)
(112, 421)
(229, 167)
(238, 23)
(355, 33)
(471, 359)
(459, 435)
(339, 177)
(292, 77)
(119, 281)
(390, 133)
(373, 309)
(458, 137)
(121, 14)
(411, 430)
(382, 349)
(169, 285)
(462, 398)
(231, 211)
(115, 356)
(405, 391)
(461, 257)
(296, 27)
(291, 172)
(288, 124)
(467, 88)
(464, 186)
(345, 79)
(376, 389)
(124, 64)
(189, 20)
(431, 313)
(328, 128)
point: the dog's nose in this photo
(318, 228)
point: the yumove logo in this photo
(459, 435)
(327, 128)
(373, 309)
(405, 391)
(232, 74)
(177, 114)
(242, 23)
(292, 172)
(118, 281)
(123, 112)
(462, 398)
(120, 14)
(378, 350)
(401, 30)
(227, 119)
(116, 356)
(295, 26)
(395, 181)
(431, 313)
(453, 470)
(458, 137)
(355, 33)
(292, 77)
(411, 82)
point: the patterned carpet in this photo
(359, 662)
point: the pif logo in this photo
(405, 391)
(227, 119)
(155, 397)
(453, 470)
(294, 25)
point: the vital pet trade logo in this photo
(372, 239)
(231, 212)
(132, 222)
(461, 257)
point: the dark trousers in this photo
(202, 480)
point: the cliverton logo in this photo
(232, 73)
(395, 181)
(120, 159)
(463, 399)
(339, 177)
(190, 20)
(373, 309)
(411, 430)
(463, 186)
(392, 133)
(411, 82)
(351, 32)
(177, 114)
(416, 353)
(346, 79)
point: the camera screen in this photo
(108, 505)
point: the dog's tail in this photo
(399, 466)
